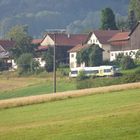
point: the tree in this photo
(135, 6)
(83, 56)
(131, 19)
(122, 23)
(91, 56)
(27, 64)
(95, 56)
(19, 34)
(48, 57)
(108, 19)
(137, 55)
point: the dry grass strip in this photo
(22, 101)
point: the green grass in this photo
(12, 86)
(111, 116)
(42, 87)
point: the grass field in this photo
(21, 87)
(113, 116)
(12, 86)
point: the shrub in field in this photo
(27, 64)
(48, 57)
(129, 78)
(81, 76)
(64, 69)
(127, 62)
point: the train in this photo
(99, 71)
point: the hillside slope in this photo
(45, 14)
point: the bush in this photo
(48, 57)
(81, 76)
(127, 62)
(26, 64)
(64, 69)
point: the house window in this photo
(72, 55)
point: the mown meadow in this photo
(108, 116)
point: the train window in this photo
(74, 72)
(95, 71)
(91, 72)
(107, 70)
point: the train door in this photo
(101, 72)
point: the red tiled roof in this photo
(63, 39)
(36, 41)
(104, 35)
(78, 47)
(41, 48)
(120, 43)
(122, 36)
(7, 44)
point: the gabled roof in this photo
(41, 48)
(36, 41)
(63, 39)
(104, 35)
(134, 28)
(121, 36)
(7, 44)
(4, 54)
(78, 47)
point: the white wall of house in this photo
(73, 60)
(14, 65)
(47, 41)
(106, 52)
(106, 47)
(94, 40)
(114, 54)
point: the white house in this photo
(73, 55)
(101, 37)
(5, 53)
(127, 43)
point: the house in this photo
(120, 44)
(135, 38)
(73, 55)
(62, 42)
(5, 53)
(127, 43)
(101, 37)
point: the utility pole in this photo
(54, 65)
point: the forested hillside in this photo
(39, 15)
